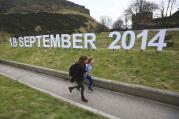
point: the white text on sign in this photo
(126, 40)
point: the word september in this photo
(55, 41)
(128, 40)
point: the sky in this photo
(112, 8)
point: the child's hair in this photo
(81, 60)
(89, 60)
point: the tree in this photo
(173, 3)
(106, 21)
(162, 8)
(140, 6)
(167, 7)
(118, 24)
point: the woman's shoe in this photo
(84, 99)
(70, 89)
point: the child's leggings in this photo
(89, 78)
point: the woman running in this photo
(78, 76)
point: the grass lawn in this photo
(148, 68)
(18, 101)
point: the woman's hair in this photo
(89, 60)
(81, 60)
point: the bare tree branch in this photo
(168, 5)
(106, 21)
(173, 3)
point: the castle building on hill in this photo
(145, 20)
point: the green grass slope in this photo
(148, 68)
(21, 102)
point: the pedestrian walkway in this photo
(117, 104)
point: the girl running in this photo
(89, 67)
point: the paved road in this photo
(117, 104)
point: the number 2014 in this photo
(128, 43)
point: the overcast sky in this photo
(112, 8)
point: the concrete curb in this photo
(163, 96)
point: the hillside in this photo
(147, 68)
(28, 17)
(46, 23)
(35, 6)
